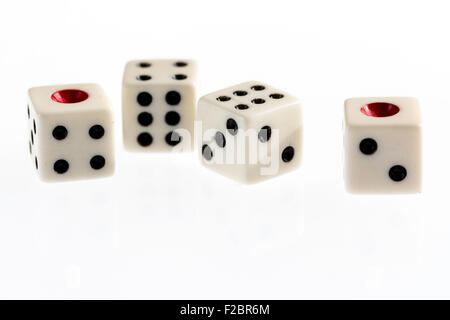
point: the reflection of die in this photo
(158, 105)
(250, 132)
(71, 132)
(383, 145)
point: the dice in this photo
(71, 132)
(158, 105)
(250, 132)
(383, 148)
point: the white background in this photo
(163, 226)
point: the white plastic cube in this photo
(158, 105)
(71, 132)
(250, 132)
(383, 147)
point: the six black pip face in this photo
(172, 117)
(158, 105)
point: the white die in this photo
(158, 105)
(71, 132)
(268, 139)
(383, 147)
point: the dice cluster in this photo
(249, 132)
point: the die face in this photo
(407, 114)
(381, 155)
(77, 142)
(160, 71)
(33, 141)
(268, 142)
(170, 109)
(251, 99)
(218, 145)
(68, 99)
(279, 138)
(158, 105)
